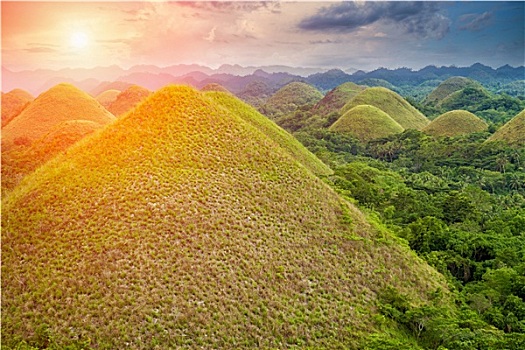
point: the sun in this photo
(79, 40)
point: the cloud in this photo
(211, 35)
(229, 6)
(475, 22)
(421, 19)
(40, 49)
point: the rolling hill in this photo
(214, 87)
(513, 132)
(61, 103)
(183, 225)
(336, 98)
(107, 97)
(448, 87)
(390, 103)
(13, 103)
(455, 123)
(366, 123)
(128, 99)
(289, 98)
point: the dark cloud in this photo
(420, 18)
(475, 22)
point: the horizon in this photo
(318, 35)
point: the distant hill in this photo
(289, 98)
(448, 87)
(256, 93)
(107, 97)
(513, 132)
(366, 123)
(214, 87)
(467, 96)
(455, 123)
(128, 99)
(373, 82)
(13, 103)
(390, 103)
(182, 225)
(61, 103)
(110, 85)
(336, 98)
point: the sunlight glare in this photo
(79, 40)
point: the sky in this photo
(346, 35)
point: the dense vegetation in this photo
(289, 98)
(194, 222)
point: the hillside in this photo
(336, 98)
(289, 98)
(455, 123)
(107, 97)
(214, 87)
(468, 96)
(181, 225)
(128, 99)
(13, 103)
(513, 132)
(448, 87)
(390, 103)
(366, 123)
(61, 103)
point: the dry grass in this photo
(513, 132)
(336, 98)
(291, 97)
(455, 123)
(13, 103)
(215, 87)
(448, 87)
(182, 225)
(390, 103)
(107, 97)
(128, 99)
(61, 103)
(366, 123)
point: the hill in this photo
(61, 103)
(513, 132)
(107, 97)
(181, 225)
(366, 123)
(336, 98)
(13, 103)
(289, 98)
(448, 87)
(128, 99)
(455, 123)
(468, 96)
(214, 87)
(390, 103)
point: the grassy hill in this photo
(448, 87)
(289, 98)
(107, 97)
(61, 103)
(465, 97)
(455, 123)
(128, 99)
(390, 103)
(13, 103)
(336, 98)
(183, 225)
(513, 132)
(214, 87)
(366, 123)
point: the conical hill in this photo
(392, 104)
(448, 87)
(366, 123)
(181, 225)
(128, 99)
(107, 97)
(61, 103)
(455, 123)
(513, 132)
(214, 87)
(13, 103)
(291, 97)
(336, 98)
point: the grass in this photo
(187, 224)
(390, 103)
(289, 98)
(366, 123)
(13, 103)
(215, 87)
(128, 99)
(513, 132)
(448, 87)
(61, 103)
(455, 123)
(107, 97)
(336, 98)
